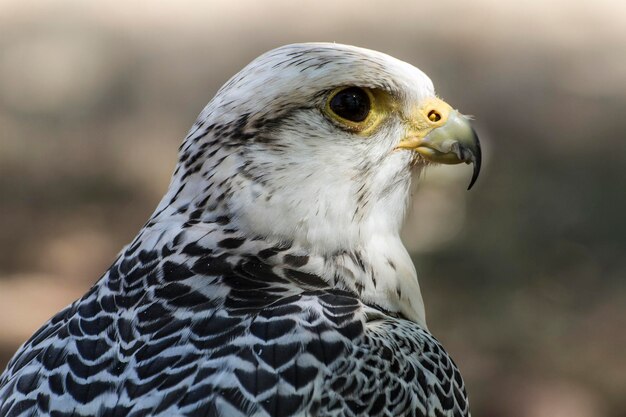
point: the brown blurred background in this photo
(524, 277)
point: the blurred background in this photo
(524, 277)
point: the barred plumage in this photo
(271, 280)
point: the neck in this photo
(379, 269)
(347, 236)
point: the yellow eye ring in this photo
(353, 108)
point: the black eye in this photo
(352, 104)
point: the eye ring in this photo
(351, 106)
(352, 103)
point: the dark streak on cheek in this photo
(417, 159)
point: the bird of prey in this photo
(271, 279)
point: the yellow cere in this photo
(434, 116)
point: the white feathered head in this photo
(314, 144)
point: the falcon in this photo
(271, 279)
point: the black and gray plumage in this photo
(271, 279)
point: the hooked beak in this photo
(443, 135)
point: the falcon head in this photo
(314, 144)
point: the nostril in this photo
(434, 116)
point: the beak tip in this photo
(474, 177)
(476, 160)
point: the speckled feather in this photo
(270, 281)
